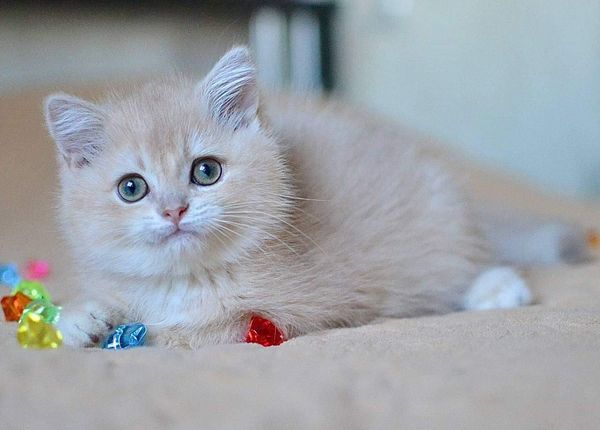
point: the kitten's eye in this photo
(132, 188)
(206, 171)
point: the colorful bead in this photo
(9, 275)
(593, 239)
(49, 312)
(37, 270)
(264, 332)
(33, 332)
(126, 336)
(13, 306)
(33, 289)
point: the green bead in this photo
(32, 289)
(49, 312)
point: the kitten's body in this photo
(323, 218)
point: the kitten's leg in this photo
(86, 324)
(498, 288)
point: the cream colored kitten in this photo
(192, 209)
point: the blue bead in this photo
(9, 275)
(126, 336)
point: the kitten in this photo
(191, 207)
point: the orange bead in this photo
(593, 239)
(13, 306)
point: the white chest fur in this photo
(208, 298)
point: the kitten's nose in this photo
(175, 215)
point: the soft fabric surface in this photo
(535, 367)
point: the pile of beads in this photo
(30, 304)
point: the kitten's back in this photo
(390, 215)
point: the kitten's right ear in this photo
(76, 126)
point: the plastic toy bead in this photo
(33, 289)
(13, 306)
(37, 270)
(49, 312)
(593, 239)
(9, 275)
(33, 332)
(264, 332)
(30, 305)
(126, 336)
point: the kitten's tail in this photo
(523, 240)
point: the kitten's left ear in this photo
(230, 91)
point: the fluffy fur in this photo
(322, 218)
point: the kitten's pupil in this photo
(206, 170)
(131, 187)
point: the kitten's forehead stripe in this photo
(161, 127)
(140, 162)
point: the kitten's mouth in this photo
(179, 234)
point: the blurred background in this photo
(513, 84)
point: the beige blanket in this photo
(535, 367)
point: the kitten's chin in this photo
(185, 250)
(184, 244)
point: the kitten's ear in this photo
(76, 126)
(230, 91)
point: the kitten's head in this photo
(175, 177)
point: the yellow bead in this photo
(33, 332)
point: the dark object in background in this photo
(304, 52)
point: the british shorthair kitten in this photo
(194, 206)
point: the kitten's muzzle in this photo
(175, 215)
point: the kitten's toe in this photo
(498, 288)
(86, 325)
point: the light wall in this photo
(514, 83)
(40, 48)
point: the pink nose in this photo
(175, 215)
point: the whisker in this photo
(221, 226)
(284, 222)
(248, 205)
(233, 223)
(288, 196)
(272, 236)
(219, 230)
(214, 234)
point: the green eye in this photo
(132, 188)
(206, 171)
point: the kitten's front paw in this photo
(87, 324)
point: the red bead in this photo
(264, 332)
(13, 306)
